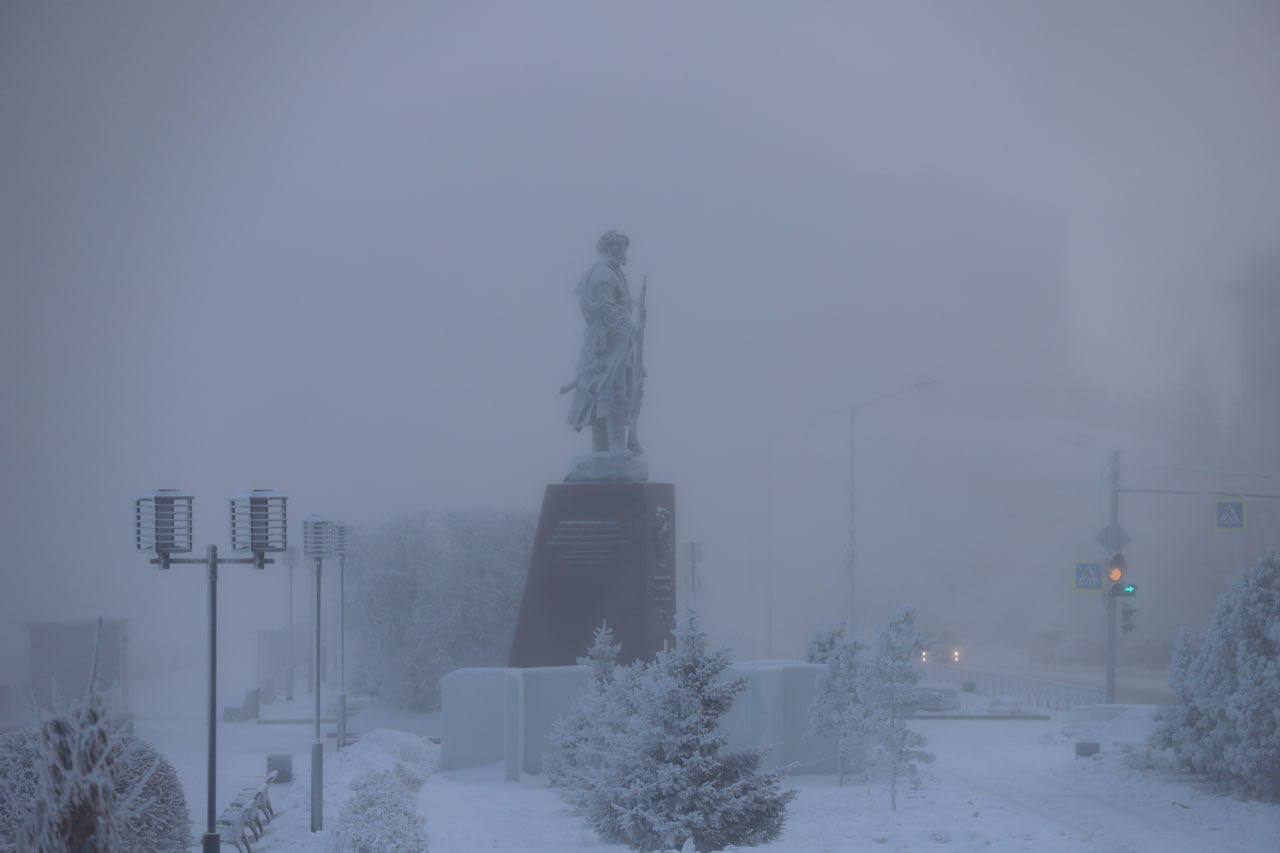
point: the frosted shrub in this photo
(78, 781)
(640, 754)
(157, 820)
(1226, 722)
(379, 816)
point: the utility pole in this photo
(1114, 519)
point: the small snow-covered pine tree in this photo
(1226, 722)
(647, 768)
(578, 737)
(888, 693)
(836, 710)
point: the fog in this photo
(331, 249)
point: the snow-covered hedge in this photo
(157, 820)
(379, 815)
(1226, 723)
(640, 753)
(386, 769)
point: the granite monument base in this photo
(604, 553)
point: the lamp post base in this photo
(317, 786)
(210, 842)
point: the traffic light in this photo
(1127, 612)
(1128, 589)
(1116, 567)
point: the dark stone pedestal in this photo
(604, 552)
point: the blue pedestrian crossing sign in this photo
(1231, 514)
(1089, 577)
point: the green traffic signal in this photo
(1129, 589)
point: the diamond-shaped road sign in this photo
(1113, 538)
(1089, 577)
(1231, 515)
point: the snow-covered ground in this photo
(998, 786)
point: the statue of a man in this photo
(610, 376)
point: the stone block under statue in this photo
(603, 553)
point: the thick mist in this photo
(332, 249)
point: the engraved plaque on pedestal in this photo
(603, 552)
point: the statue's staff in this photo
(644, 321)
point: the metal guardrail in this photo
(1037, 692)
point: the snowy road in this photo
(1028, 774)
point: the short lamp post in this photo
(317, 544)
(163, 526)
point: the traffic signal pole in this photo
(1111, 593)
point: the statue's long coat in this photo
(608, 365)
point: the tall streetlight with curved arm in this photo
(852, 413)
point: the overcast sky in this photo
(331, 248)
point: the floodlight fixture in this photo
(163, 524)
(259, 523)
(317, 537)
(341, 538)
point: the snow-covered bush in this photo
(1226, 722)
(430, 593)
(158, 819)
(378, 816)
(640, 754)
(836, 710)
(888, 694)
(79, 781)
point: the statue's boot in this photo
(617, 425)
(633, 441)
(599, 435)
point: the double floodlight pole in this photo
(163, 526)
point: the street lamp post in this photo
(317, 543)
(341, 539)
(773, 439)
(851, 559)
(163, 526)
(290, 557)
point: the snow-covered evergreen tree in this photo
(578, 737)
(837, 709)
(1226, 722)
(823, 643)
(648, 771)
(887, 691)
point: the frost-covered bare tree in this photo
(432, 592)
(837, 709)
(1226, 722)
(887, 692)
